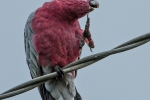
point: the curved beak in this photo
(93, 4)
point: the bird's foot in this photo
(87, 35)
(59, 71)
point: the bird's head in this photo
(75, 9)
(79, 8)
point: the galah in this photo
(52, 37)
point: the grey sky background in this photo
(124, 76)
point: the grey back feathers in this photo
(31, 58)
(31, 54)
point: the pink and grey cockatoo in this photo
(52, 38)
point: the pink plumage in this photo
(56, 31)
(53, 39)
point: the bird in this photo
(52, 36)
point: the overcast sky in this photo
(124, 76)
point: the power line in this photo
(84, 62)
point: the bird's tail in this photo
(61, 88)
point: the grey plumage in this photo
(31, 58)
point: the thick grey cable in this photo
(91, 59)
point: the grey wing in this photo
(31, 58)
(31, 54)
